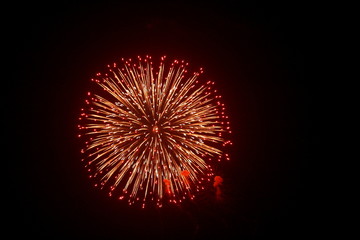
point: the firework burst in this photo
(153, 133)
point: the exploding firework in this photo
(153, 133)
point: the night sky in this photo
(256, 55)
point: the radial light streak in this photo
(153, 134)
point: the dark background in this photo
(254, 52)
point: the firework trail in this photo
(217, 183)
(153, 134)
